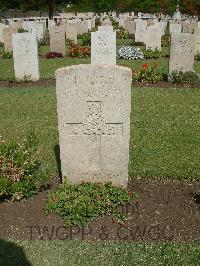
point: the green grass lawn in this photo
(165, 128)
(43, 253)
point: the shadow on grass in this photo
(12, 255)
(58, 161)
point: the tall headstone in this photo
(181, 52)
(57, 39)
(175, 28)
(7, 38)
(2, 27)
(103, 48)
(71, 32)
(94, 105)
(25, 54)
(197, 41)
(140, 32)
(153, 38)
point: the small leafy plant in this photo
(165, 40)
(148, 73)
(45, 40)
(81, 204)
(183, 77)
(122, 34)
(197, 56)
(1, 44)
(130, 53)
(152, 54)
(6, 55)
(86, 39)
(21, 30)
(52, 55)
(77, 51)
(19, 171)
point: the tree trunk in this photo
(51, 4)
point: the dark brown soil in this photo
(164, 211)
(39, 83)
(52, 83)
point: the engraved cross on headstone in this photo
(95, 128)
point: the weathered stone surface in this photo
(103, 48)
(140, 33)
(7, 37)
(57, 39)
(197, 41)
(94, 105)
(153, 38)
(25, 53)
(105, 28)
(182, 52)
(71, 33)
(2, 27)
(175, 28)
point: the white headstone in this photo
(94, 105)
(182, 52)
(140, 32)
(153, 38)
(57, 39)
(25, 53)
(103, 48)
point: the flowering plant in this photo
(147, 73)
(77, 51)
(130, 53)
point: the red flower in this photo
(145, 66)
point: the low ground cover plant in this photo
(165, 40)
(52, 55)
(78, 51)
(19, 170)
(147, 73)
(152, 54)
(197, 56)
(80, 204)
(6, 55)
(183, 77)
(130, 53)
(21, 30)
(45, 40)
(122, 34)
(86, 39)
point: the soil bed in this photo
(52, 83)
(165, 211)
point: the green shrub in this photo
(148, 73)
(80, 204)
(183, 77)
(152, 54)
(1, 44)
(86, 39)
(21, 30)
(6, 55)
(45, 40)
(197, 56)
(69, 42)
(122, 34)
(19, 171)
(165, 40)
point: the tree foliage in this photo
(151, 6)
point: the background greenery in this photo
(165, 6)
